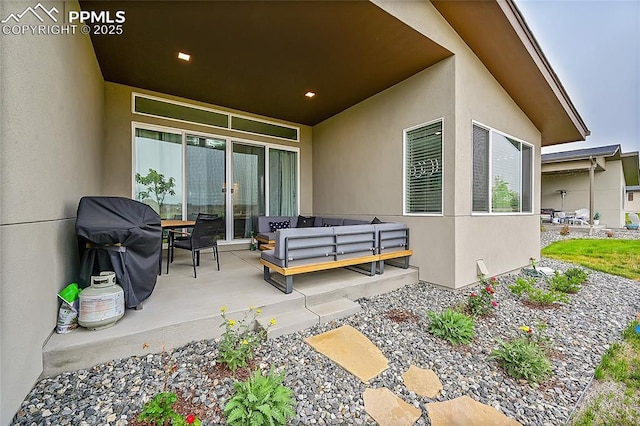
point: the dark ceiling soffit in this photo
(631, 168)
(261, 57)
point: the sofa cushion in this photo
(355, 222)
(306, 221)
(269, 256)
(274, 226)
(331, 221)
(268, 236)
(263, 222)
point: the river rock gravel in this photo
(325, 394)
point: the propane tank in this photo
(102, 303)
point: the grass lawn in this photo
(616, 257)
(614, 398)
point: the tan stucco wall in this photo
(51, 111)
(632, 206)
(458, 89)
(117, 175)
(608, 192)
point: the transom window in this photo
(502, 173)
(423, 169)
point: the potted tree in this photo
(596, 218)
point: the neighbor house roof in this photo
(633, 188)
(579, 160)
(261, 57)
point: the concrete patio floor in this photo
(183, 309)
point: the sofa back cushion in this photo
(355, 241)
(355, 222)
(391, 236)
(332, 221)
(305, 245)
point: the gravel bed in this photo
(581, 331)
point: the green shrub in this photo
(522, 286)
(563, 283)
(261, 400)
(542, 297)
(577, 275)
(159, 411)
(455, 327)
(239, 342)
(523, 359)
(482, 303)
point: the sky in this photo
(594, 48)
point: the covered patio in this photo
(182, 309)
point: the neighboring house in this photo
(566, 181)
(429, 113)
(632, 204)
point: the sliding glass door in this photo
(247, 190)
(238, 180)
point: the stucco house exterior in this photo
(632, 204)
(566, 182)
(432, 113)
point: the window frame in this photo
(405, 131)
(522, 143)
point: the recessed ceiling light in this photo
(310, 94)
(184, 56)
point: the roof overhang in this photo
(631, 168)
(263, 56)
(498, 34)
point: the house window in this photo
(502, 173)
(630, 196)
(423, 169)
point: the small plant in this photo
(577, 275)
(261, 400)
(546, 298)
(564, 230)
(483, 303)
(455, 327)
(523, 359)
(159, 411)
(238, 343)
(596, 216)
(563, 283)
(522, 286)
(537, 335)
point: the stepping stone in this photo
(464, 411)
(422, 382)
(351, 350)
(389, 410)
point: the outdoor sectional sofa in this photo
(298, 244)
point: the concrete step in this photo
(335, 309)
(288, 322)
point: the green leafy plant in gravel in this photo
(455, 327)
(239, 341)
(483, 303)
(159, 411)
(563, 283)
(261, 400)
(578, 275)
(524, 287)
(523, 358)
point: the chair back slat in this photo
(205, 231)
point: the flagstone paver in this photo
(464, 411)
(351, 350)
(422, 382)
(389, 410)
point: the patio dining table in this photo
(173, 224)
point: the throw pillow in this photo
(274, 226)
(306, 222)
(376, 220)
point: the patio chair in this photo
(581, 217)
(203, 236)
(635, 221)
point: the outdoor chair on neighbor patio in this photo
(203, 236)
(635, 221)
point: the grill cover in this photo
(121, 235)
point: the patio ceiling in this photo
(262, 57)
